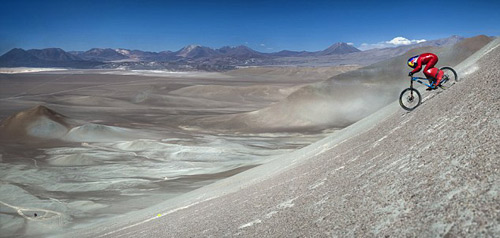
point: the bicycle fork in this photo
(411, 90)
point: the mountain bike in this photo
(410, 98)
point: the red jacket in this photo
(429, 59)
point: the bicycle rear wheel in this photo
(410, 99)
(449, 76)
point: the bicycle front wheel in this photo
(410, 99)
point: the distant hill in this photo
(97, 54)
(51, 57)
(445, 41)
(53, 54)
(240, 52)
(18, 57)
(142, 55)
(196, 51)
(38, 121)
(339, 48)
(197, 57)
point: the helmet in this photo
(412, 62)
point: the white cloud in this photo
(263, 45)
(403, 41)
(397, 41)
(350, 43)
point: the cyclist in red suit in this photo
(429, 60)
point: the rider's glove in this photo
(410, 74)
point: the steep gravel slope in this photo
(432, 172)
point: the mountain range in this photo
(50, 57)
(192, 57)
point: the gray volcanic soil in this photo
(106, 143)
(432, 172)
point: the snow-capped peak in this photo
(190, 47)
(123, 51)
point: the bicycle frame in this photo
(417, 79)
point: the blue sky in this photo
(266, 26)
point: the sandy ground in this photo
(108, 142)
(432, 172)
